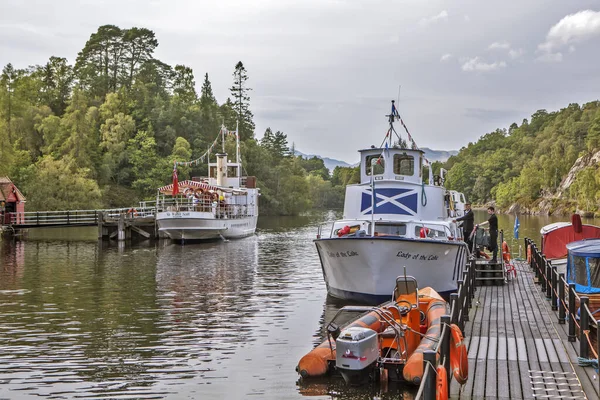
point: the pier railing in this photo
(74, 217)
(570, 307)
(460, 303)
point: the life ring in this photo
(459, 363)
(132, 212)
(505, 253)
(186, 191)
(529, 253)
(198, 193)
(441, 390)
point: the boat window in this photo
(213, 172)
(420, 166)
(581, 277)
(390, 229)
(431, 232)
(379, 166)
(594, 264)
(232, 171)
(404, 164)
(346, 230)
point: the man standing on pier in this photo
(468, 221)
(493, 221)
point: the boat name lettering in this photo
(178, 214)
(422, 257)
(239, 225)
(349, 253)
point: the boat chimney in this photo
(221, 169)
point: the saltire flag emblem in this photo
(175, 181)
(390, 201)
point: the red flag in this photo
(175, 181)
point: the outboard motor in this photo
(357, 351)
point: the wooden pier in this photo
(119, 224)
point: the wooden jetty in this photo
(120, 224)
(525, 336)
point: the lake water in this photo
(86, 319)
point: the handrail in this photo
(460, 303)
(564, 299)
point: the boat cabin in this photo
(391, 164)
(583, 265)
(12, 202)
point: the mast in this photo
(223, 137)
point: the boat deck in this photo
(517, 348)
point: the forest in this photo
(526, 163)
(106, 131)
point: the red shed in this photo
(11, 201)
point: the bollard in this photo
(584, 325)
(445, 344)
(561, 294)
(572, 310)
(430, 382)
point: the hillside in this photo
(525, 164)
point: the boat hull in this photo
(191, 225)
(364, 269)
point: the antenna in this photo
(399, 87)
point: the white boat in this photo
(223, 205)
(410, 226)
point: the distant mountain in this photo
(431, 155)
(330, 163)
(438, 155)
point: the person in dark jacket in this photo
(468, 221)
(493, 221)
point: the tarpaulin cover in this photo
(554, 242)
(583, 265)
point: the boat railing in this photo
(570, 307)
(460, 303)
(218, 209)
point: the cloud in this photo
(442, 16)
(515, 53)
(467, 18)
(504, 45)
(478, 65)
(550, 57)
(446, 57)
(574, 28)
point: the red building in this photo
(12, 202)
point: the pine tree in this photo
(241, 103)
(206, 95)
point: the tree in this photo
(207, 98)
(139, 45)
(241, 101)
(8, 81)
(184, 85)
(57, 78)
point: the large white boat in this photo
(394, 223)
(223, 205)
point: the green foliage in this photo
(106, 131)
(530, 160)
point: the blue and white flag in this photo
(516, 229)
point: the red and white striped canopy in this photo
(168, 190)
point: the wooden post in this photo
(429, 362)
(542, 269)
(464, 303)
(454, 307)
(121, 227)
(548, 279)
(584, 325)
(562, 312)
(554, 272)
(473, 276)
(572, 310)
(445, 344)
(100, 219)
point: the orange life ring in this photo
(505, 252)
(529, 253)
(132, 212)
(441, 390)
(459, 362)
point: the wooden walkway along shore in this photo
(517, 348)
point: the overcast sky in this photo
(324, 71)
